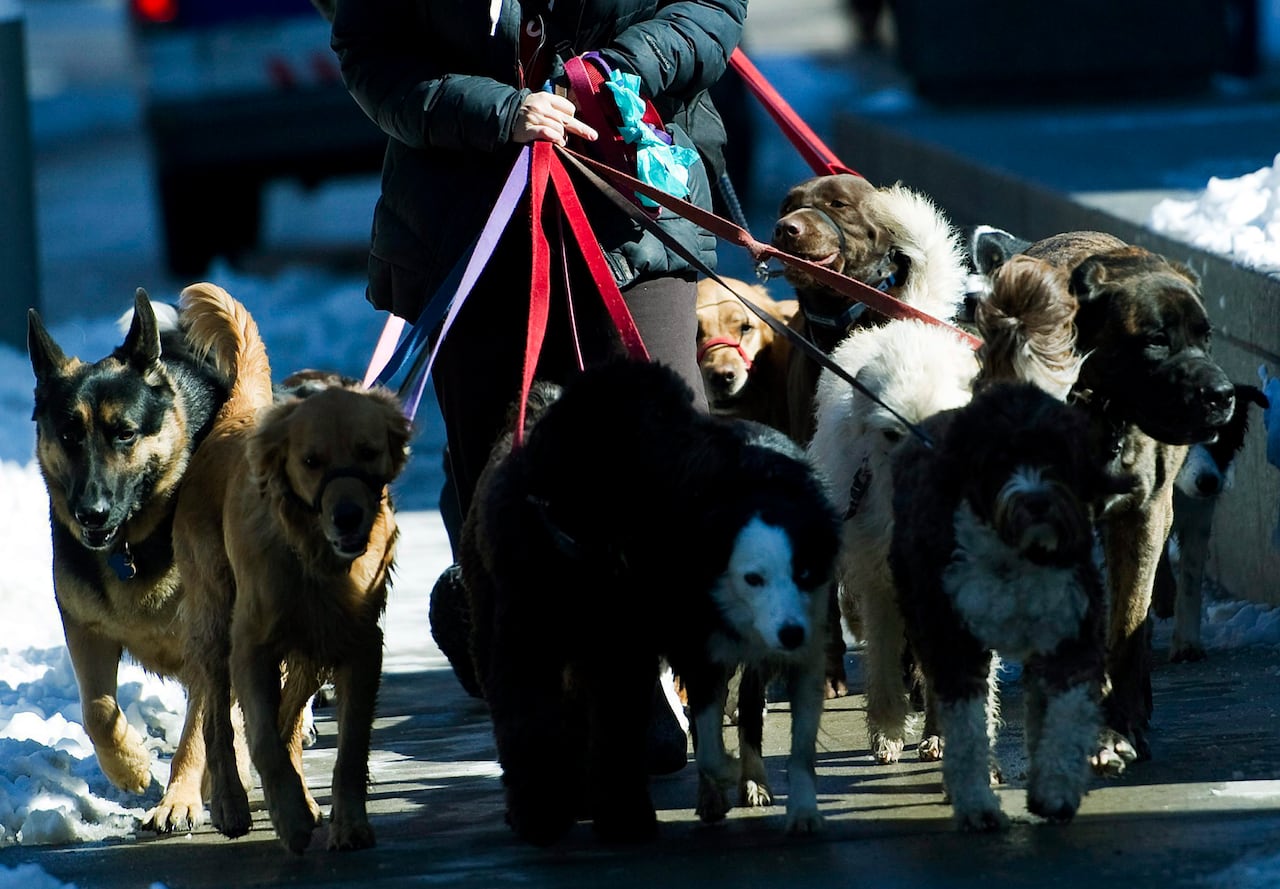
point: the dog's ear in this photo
(1089, 279)
(399, 429)
(47, 359)
(142, 343)
(1247, 393)
(1187, 272)
(267, 449)
(990, 248)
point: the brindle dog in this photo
(1151, 389)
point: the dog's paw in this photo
(756, 794)
(1058, 805)
(127, 765)
(982, 820)
(1114, 753)
(885, 750)
(930, 749)
(1186, 653)
(229, 810)
(804, 821)
(713, 798)
(348, 836)
(175, 813)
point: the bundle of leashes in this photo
(540, 169)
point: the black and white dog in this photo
(1206, 474)
(627, 528)
(992, 554)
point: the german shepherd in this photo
(113, 439)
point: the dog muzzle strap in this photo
(370, 481)
(724, 341)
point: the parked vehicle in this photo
(237, 93)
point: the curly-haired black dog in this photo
(992, 554)
(627, 528)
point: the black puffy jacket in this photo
(438, 76)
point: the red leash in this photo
(821, 158)
(548, 180)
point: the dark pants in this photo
(477, 373)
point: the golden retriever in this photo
(742, 360)
(285, 534)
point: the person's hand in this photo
(547, 117)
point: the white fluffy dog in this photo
(917, 369)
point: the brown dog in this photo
(743, 361)
(1151, 388)
(285, 536)
(891, 238)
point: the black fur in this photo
(978, 447)
(591, 553)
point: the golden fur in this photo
(287, 563)
(1028, 330)
(756, 390)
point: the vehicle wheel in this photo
(207, 216)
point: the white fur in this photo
(166, 318)
(966, 768)
(1006, 602)
(757, 596)
(939, 272)
(918, 369)
(757, 593)
(1200, 464)
(1068, 736)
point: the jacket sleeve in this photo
(401, 80)
(683, 49)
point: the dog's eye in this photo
(804, 577)
(752, 578)
(745, 328)
(892, 435)
(126, 436)
(312, 461)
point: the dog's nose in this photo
(1219, 396)
(791, 636)
(93, 516)
(347, 517)
(786, 228)
(1207, 484)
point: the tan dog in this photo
(743, 361)
(285, 535)
(890, 238)
(113, 440)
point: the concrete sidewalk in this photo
(1208, 800)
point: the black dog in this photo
(992, 553)
(629, 527)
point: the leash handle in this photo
(815, 152)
